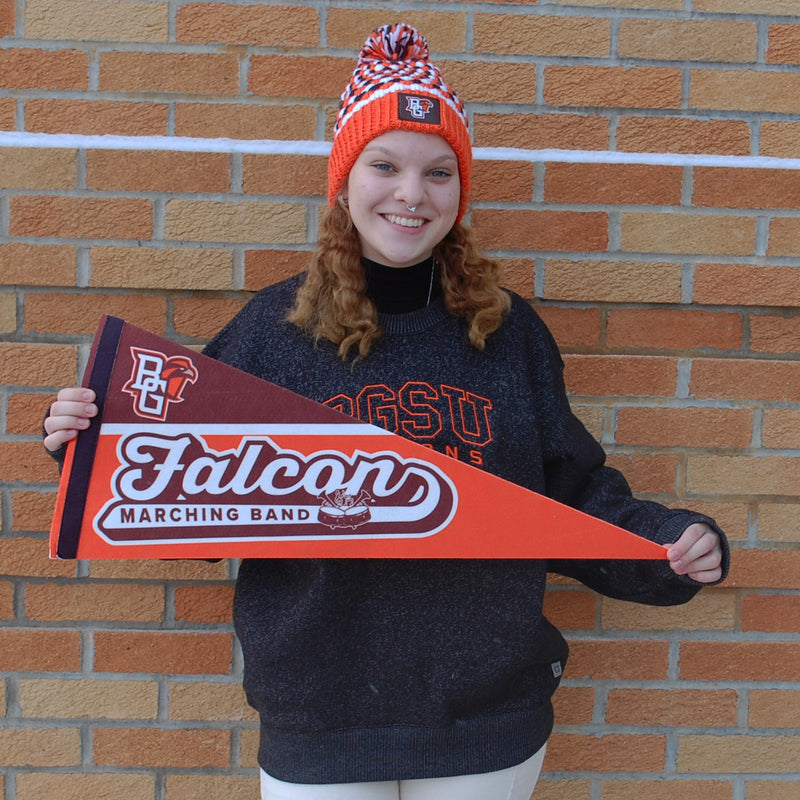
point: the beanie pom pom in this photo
(396, 43)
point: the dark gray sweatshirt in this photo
(368, 670)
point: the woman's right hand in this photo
(71, 413)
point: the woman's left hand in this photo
(697, 553)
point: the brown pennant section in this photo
(191, 458)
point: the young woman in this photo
(419, 679)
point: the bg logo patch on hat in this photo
(414, 108)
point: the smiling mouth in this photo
(406, 222)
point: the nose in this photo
(410, 191)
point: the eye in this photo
(441, 173)
(383, 166)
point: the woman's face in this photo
(395, 172)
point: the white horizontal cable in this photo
(314, 148)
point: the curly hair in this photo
(333, 304)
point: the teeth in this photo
(405, 221)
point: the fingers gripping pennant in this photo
(191, 458)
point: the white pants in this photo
(515, 783)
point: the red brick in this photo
(32, 511)
(784, 44)
(504, 181)
(27, 556)
(537, 131)
(91, 601)
(233, 121)
(734, 284)
(781, 428)
(745, 91)
(680, 135)
(654, 474)
(739, 661)
(26, 461)
(152, 570)
(617, 660)
(24, 364)
(773, 334)
(592, 280)
(544, 35)
(764, 569)
(77, 786)
(774, 708)
(684, 40)
(203, 318)
(574, 705)
(618, 376)
(38, 265)
(672, 707)
(203, 603)
(777, 522)
(784, 237)
(570, 609)
(164, 268)
(7, 8)
(165, 171)
(779, 138)
(39, 650)
(610, 753)
(613, 184)
(572, 327)
(517, 274)
(746, 188)
(746, 379)
(26, 68)
(777, 754)
(684, 427)
(613, 87)
(259, 26)
(40, 747)
(288, 76)
(492, 82)
(174, 653)
(666, 790)
(347, 28)
(265, 267)
(773, 613)
(562, 788)
(81, 313)
(81, 217)
(169, 73)
(145, 747)
(26, 412)
(541, 230)
(8, 113)
(653, 232)
(6, 603)
(210, 787)
(285, 174)
(96, 117)
(673, 329)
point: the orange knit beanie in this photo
(395, 86)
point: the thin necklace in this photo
(430, 287)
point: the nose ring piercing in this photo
(412, 209)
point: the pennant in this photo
(191, 458)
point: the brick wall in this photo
(672, 288)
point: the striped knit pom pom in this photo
(396, 43)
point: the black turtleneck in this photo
(399, 290)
